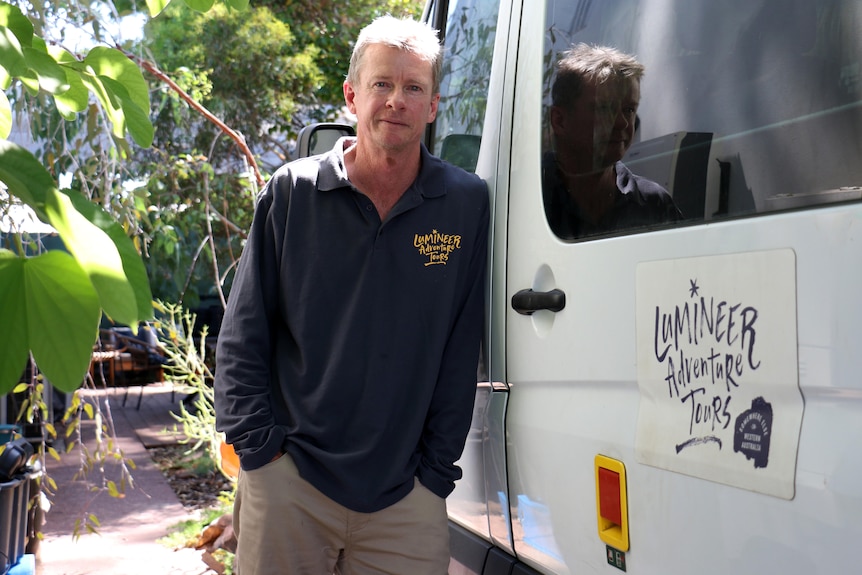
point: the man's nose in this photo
(396, 98)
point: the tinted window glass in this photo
(745, 107)
(469, 45)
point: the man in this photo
(593, 116)
(347, 357)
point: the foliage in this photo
(95, 460)
(187, 533)
(104, 466)
(268, 74)
(102, 269)
(249, 71)
(194, 227)
(333, 26)
(156, 6)
(188, 366)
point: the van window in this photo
(468, 49)
(742, 108)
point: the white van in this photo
(669, 399)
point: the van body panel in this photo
(575, 390)
(570, 384)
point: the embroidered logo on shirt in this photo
(436, 246)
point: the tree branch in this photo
(232, 134)
(211, 241)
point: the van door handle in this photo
(528, 301)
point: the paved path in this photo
(129, 527)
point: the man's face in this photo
(393, 100)
(598, 127)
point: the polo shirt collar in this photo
(430, 183)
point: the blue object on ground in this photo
(25, 566)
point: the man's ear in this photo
(432, 112)
(349, 96)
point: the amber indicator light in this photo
(611, 502)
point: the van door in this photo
(712, 355)
(468, 133)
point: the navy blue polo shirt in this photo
(352, 343)
(639, 203)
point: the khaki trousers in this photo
(285, 526)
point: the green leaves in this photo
(125, 294)
(122, 91)
(25, 177)
(200, 5)
(5, 116)
(106, 72)
(35, 298)
(12, 18)
(101, 271)
(11, 53)
(54, 302)
(51, 304)
(76, 98)
(50, 75)
(155, 7)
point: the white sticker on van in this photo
(717, 369)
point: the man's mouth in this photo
(392, 121)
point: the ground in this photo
(192, 476)
(200, 487)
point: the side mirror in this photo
(318, 138)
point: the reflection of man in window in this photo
(587, 189)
